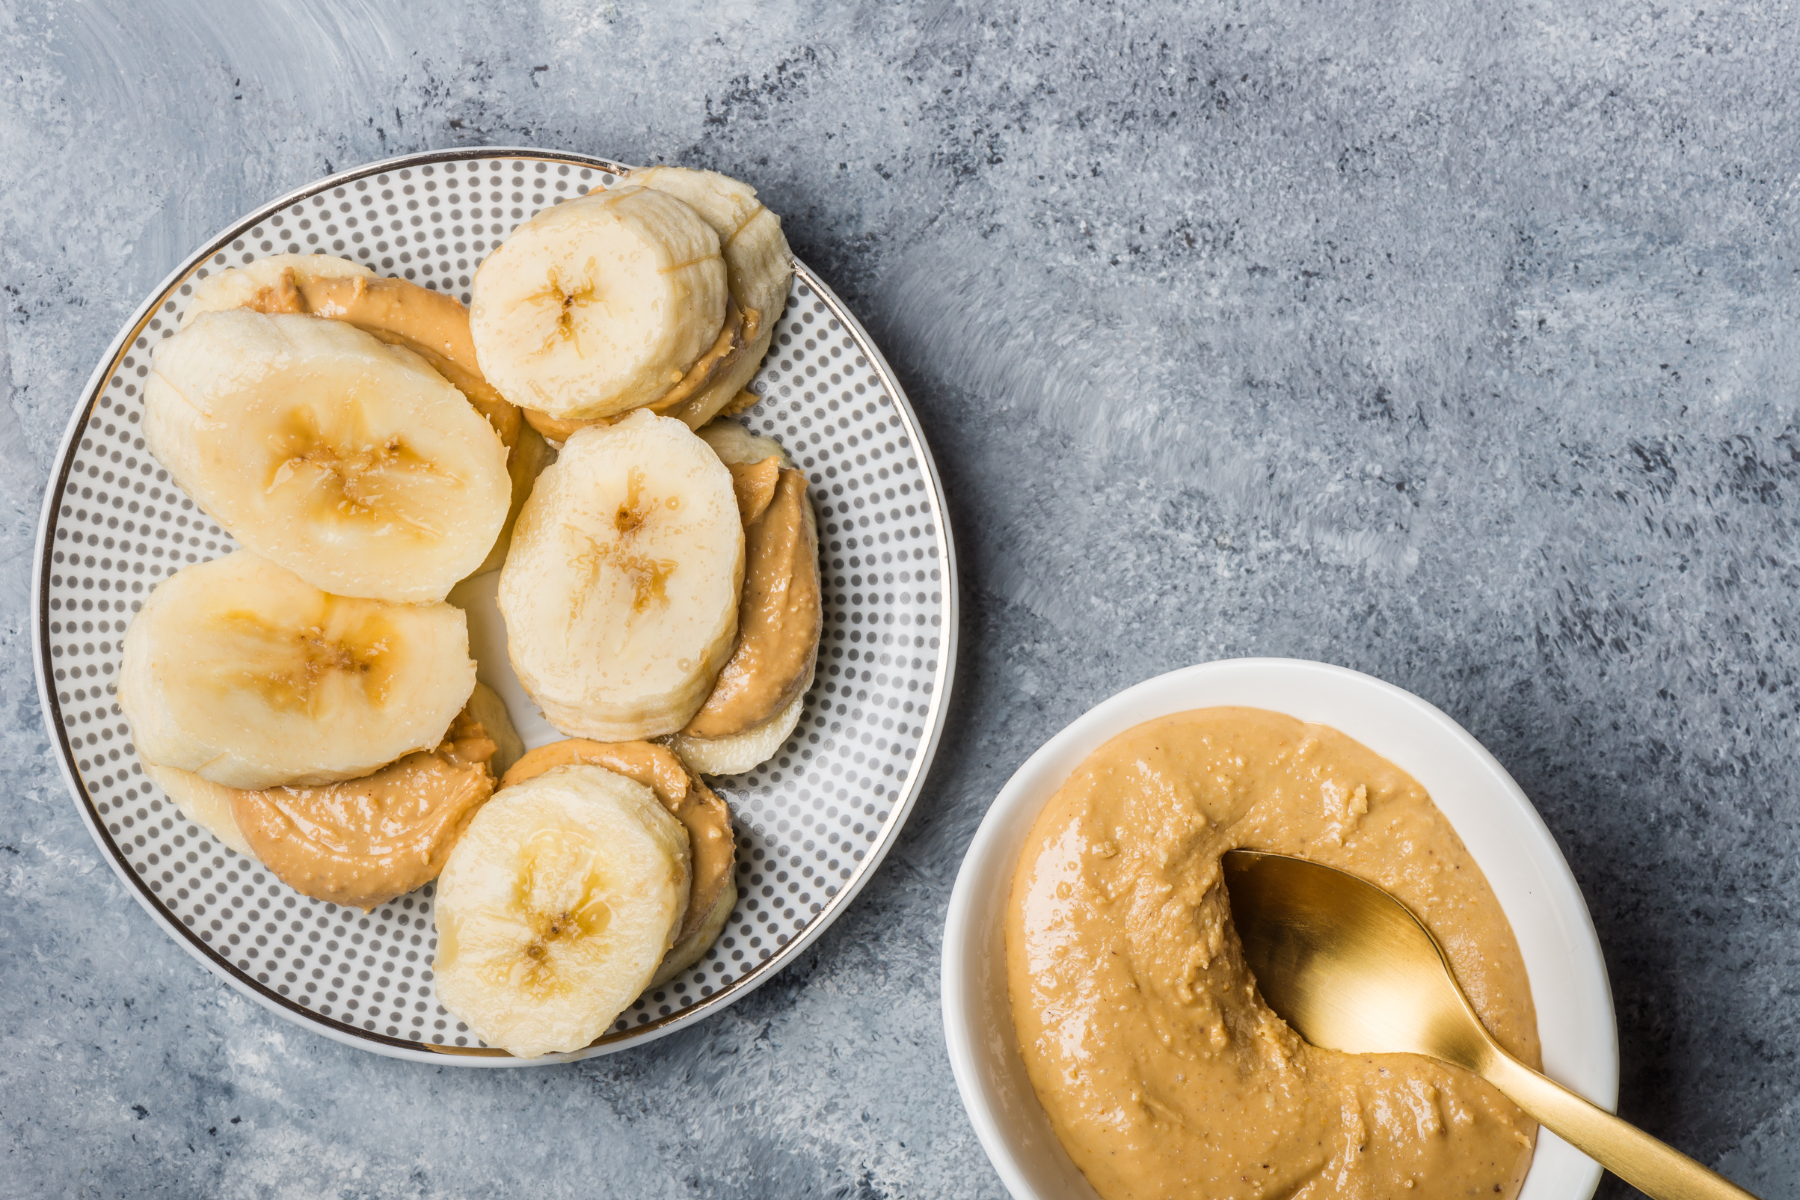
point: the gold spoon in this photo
(1349, 968)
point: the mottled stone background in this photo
(1450, 342)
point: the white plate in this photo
(1491, 815)
(812, 824)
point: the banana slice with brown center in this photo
(350, 462)
(243, 673)
(620, 592)
(556, 906)
(430, 324)
(600, 304)
(696, 806)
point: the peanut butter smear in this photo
(742, 402)
(780, 616)
(1163, 1072)
(696, 806)
(365, 841)
(740, 329)
(753, 486)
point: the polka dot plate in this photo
(812, 824)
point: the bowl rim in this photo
(1564, 1173)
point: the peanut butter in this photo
(696, 806)
(753, 486)
(365, 841)
(739, 330)
(559, 429)
(780, 616)
(1162, 1071)
(744, 401)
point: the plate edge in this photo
(281, 1006)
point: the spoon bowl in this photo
(1350, 968)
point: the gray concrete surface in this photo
(1450, 342)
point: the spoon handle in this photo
(1657, 1170)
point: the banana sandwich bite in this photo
(420, 321)
(648, 593)
(347, 461)
(660, 292)
(597, 871)
(556, 907)
(663, 584)
(343, 742)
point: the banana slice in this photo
(698, 808)
(620, 592)
(349, 462)
(759, 267)
(432, 325)
(269, 285)
(555, 908)
(249, 676)
(736, 753)
(600, 304)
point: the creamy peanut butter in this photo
(365, 841)
(780, 616)
(1161, 1069)
(696, 806)
(741, 328)
(558, 429)
(753, 486)
(744, 401)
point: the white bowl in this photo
(1491, 815)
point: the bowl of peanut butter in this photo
(1107, 1036)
